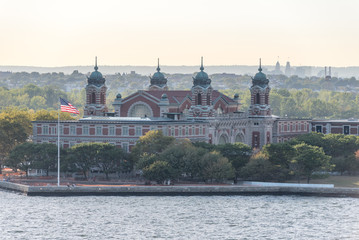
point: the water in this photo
(195, 217)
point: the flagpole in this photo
(58, 148)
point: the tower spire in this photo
(158, 65)
(260, 65)
(201, 68)
(96, 68)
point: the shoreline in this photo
(184, 190)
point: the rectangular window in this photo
(282, 128)
(288, 127)
(111, 131)
(138, 131)
(318, 129)
(200, 130)
(186, 131)
(346, 129)
(99, 130)
(172, 131)
(85, 130)
(53, 130)
(72, 144)
(72, 130)
(125, 147)
(125, 131)
(45, 130)
(180, 131)
(153, 128)
(61, 130)
(193, 131)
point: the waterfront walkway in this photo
(176, 190)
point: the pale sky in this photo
(136, 32)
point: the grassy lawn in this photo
(338, 181)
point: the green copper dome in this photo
(158, 78)
(201, 78)
(260, 78)
(96, 77)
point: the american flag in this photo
(67, 107)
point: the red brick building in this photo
(198, 114)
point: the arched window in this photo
(223, 139)
(258, 99)
(140, 110)
(102, 100)
(199, 99)
(93, 98)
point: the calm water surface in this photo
(217, 217)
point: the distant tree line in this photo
(303, 103)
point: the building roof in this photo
(126, 120)
(350, 120)
(174, 96)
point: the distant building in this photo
(328, 75)
(288, 70)
(277, 70)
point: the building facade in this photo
(199, 114)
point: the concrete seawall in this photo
(177, 190)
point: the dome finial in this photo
(201, 68)
(260, 65)
(158, 65)
(96, 68)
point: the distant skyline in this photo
(137, 32)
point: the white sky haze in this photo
(137, 32)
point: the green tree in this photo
(158, 171)
(38, 102)
(110, 158)
(238, 155)
(216, 167)
(15, 128)
(153, 142)
(308, 159)
(83, 156)
(258, 169)
(22, 157)
(342, 149)
(177, 155)
(45, 156)
(314, 139)
(279, 155)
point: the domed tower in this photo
(260, 95)
(201, 95)
(158, 80)
(260, 122)
(95, 94)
